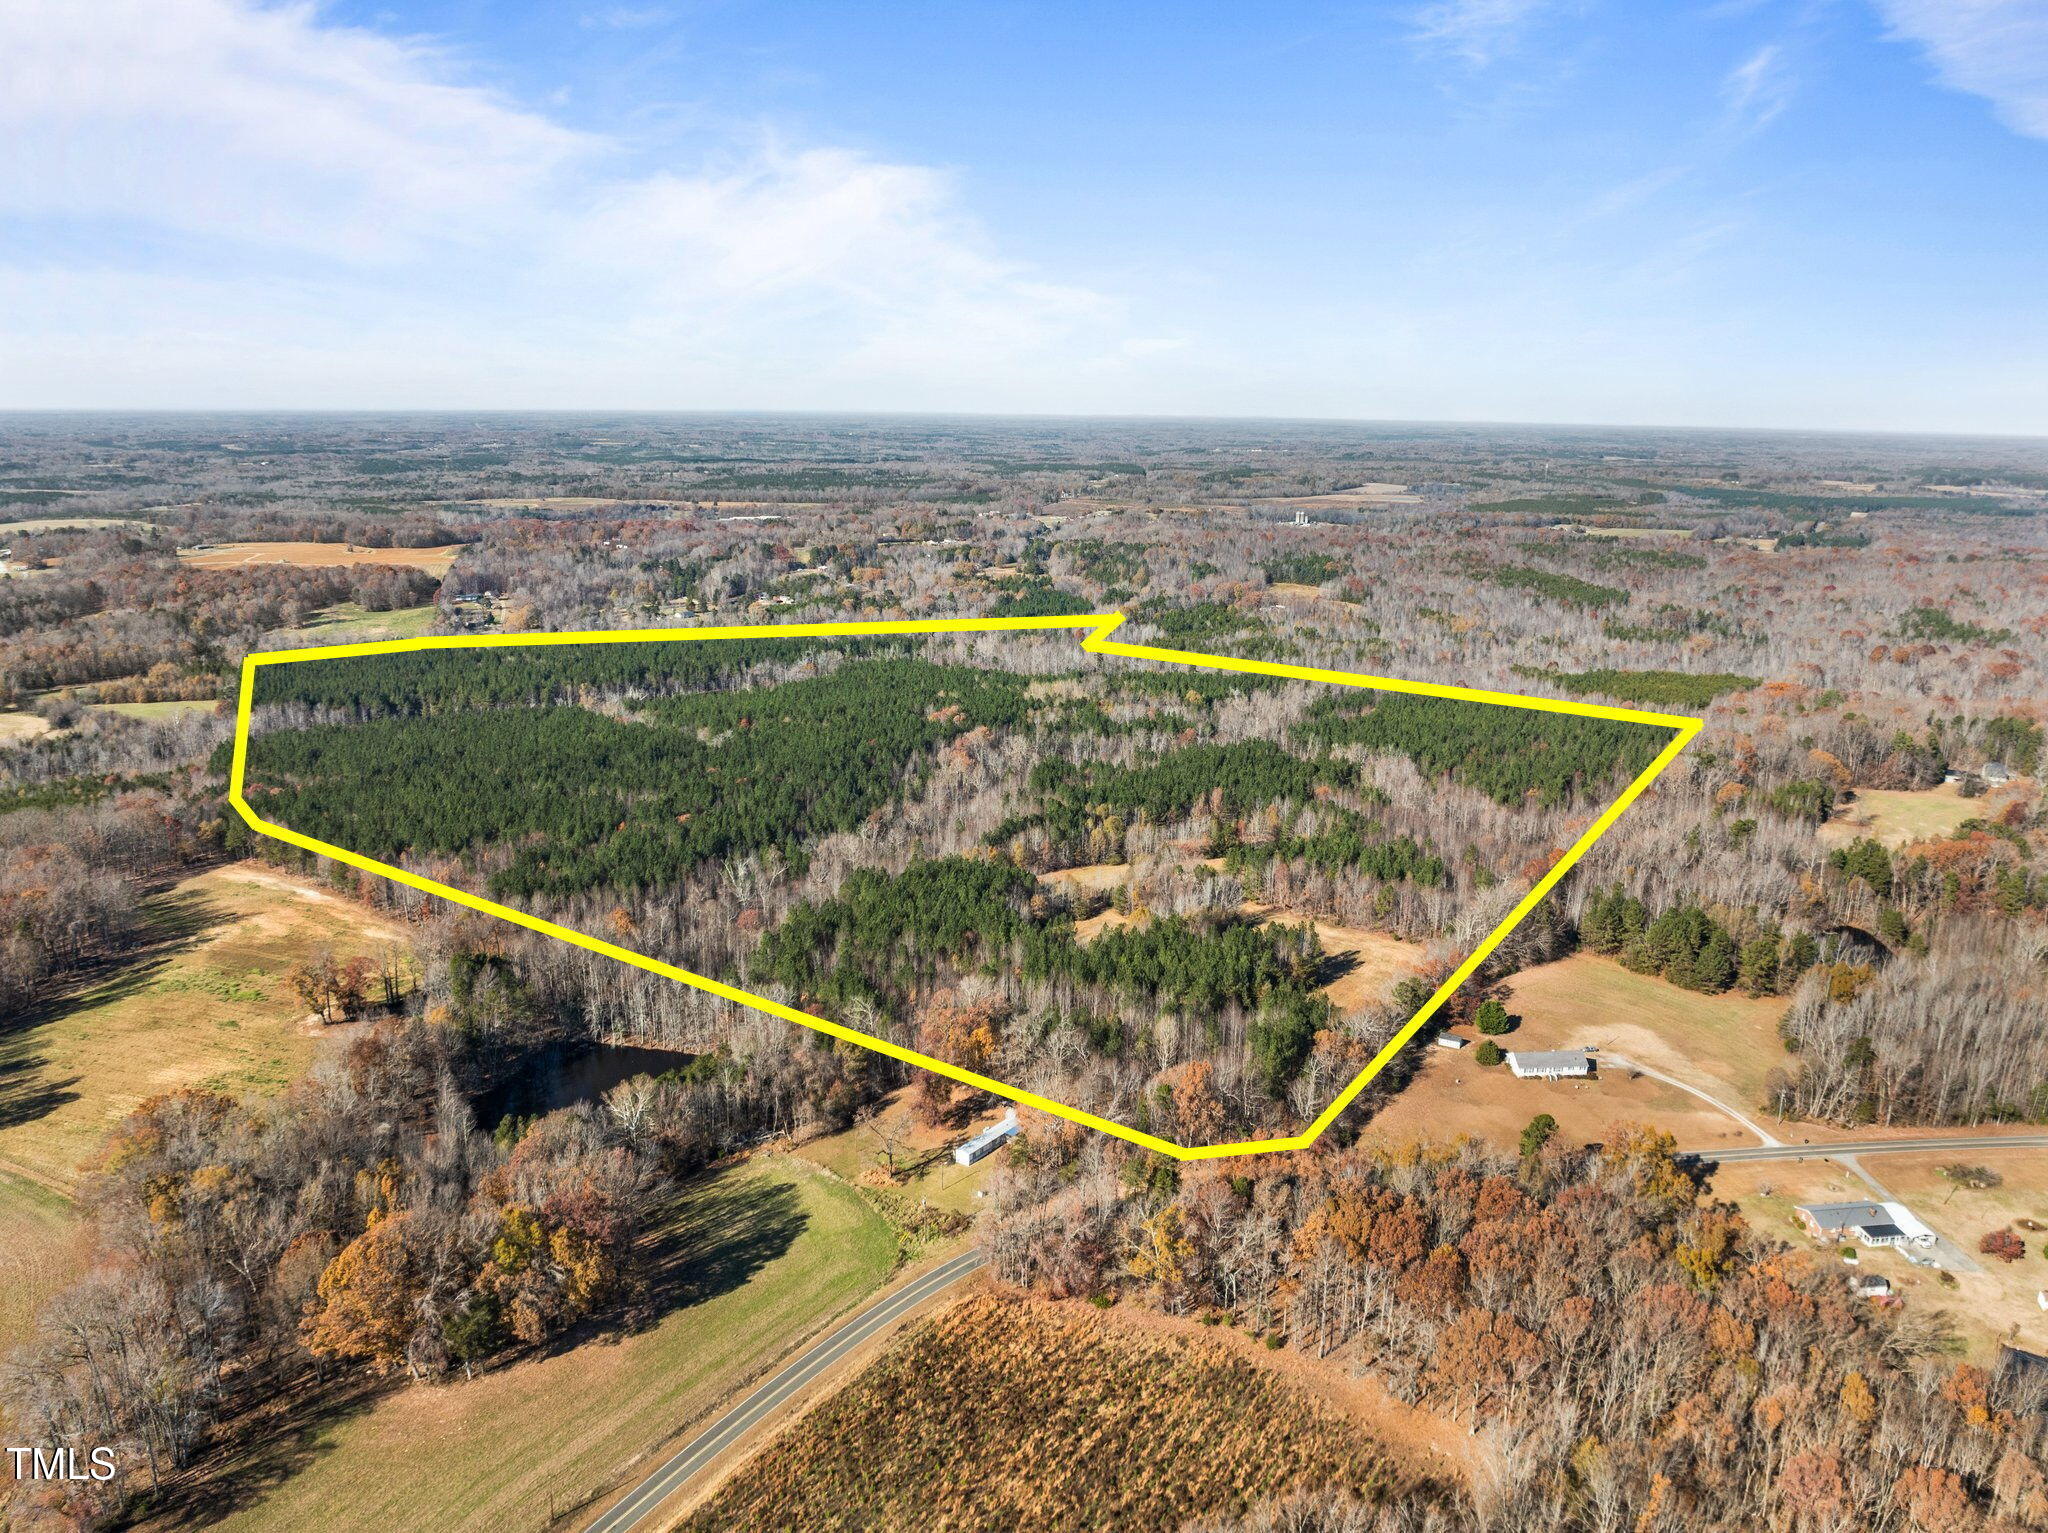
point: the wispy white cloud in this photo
(1757, 89)
(1476, 31)
(257, 184)
(1996, 49)
(625, 18)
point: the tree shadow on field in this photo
(723, 1232)
(24, 1095)
(171, 924)
(260, 1449)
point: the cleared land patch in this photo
(348, 623)
(202, 1003)
(221, 556)
(16, 727)
(1899, 817)
(1004, 1413)
(166, 710)
(1725, 1044)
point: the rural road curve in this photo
(637, 1508)
(1876, 1147)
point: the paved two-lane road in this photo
(1875, 1147)
(637, 1508)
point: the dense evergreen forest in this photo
(1663, 689)
(594, 801)
(1507, 753)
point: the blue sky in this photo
(1734, 213)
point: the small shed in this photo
(972, 1150)
(1550, 1064)
(1996, 771)
(1450, 1041)
(1873, 1286)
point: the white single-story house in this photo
(1875, 1224)
(972, 1150)
(1449, 1041)
(1550, 1064)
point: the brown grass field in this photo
(201, 1002)
(435, 561)
(1901, 818)
(41, 1250)
(1371, 960)
(16, 727)
(1727, 1045)
(1032, 1417)
(759, 1256)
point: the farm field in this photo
(349, 623)
(156, 710)
(760, 1255)
(1024, 1415)
(1986, 1309)
(1899, 818)
(435, 561)
(202, 1003)
(16, 727)
(41, 1250)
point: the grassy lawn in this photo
(202, 1001)
(156, 710)
(1727, 1045)
(349, 623)
(39, 1252)
(1899, 818)
(759, 1256)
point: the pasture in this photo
(222, 556)
(200, 1002)
(1900, 818)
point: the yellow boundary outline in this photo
(1100, 625)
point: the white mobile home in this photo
(972, 1150)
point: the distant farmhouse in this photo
(1550, 1064)
(1875, 1224)
(1997, 771)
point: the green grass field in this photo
(349, 623)
(765, 1253)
